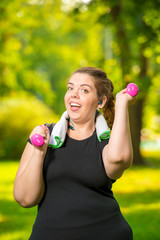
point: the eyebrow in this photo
(81, 84)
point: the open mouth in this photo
(75, 106)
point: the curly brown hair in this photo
(104, 87)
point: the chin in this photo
(74, 115)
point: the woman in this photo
(71, 182)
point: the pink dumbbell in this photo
(37, 140)
(132, 89)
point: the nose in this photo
(75, 93)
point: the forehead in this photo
(82, 78)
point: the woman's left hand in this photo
(124, 97)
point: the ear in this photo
(102, 102)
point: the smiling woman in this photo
(81, 102)
(71, 182)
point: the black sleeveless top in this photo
(78, 203)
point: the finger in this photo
(124, 90)
(45, 128)
(39, 130)
(48, 135)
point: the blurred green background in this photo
(41, 43)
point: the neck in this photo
(81, 130)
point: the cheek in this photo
(91, 104)
(66, 98)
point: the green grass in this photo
(15, 221)
(138, 194)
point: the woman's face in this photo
(81, 99)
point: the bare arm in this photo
(29, 183)
(118, 154)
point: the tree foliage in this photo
(19, 115)
(42, 42)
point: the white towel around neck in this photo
(59, 131)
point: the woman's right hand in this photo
(44, 132)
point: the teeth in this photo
(75, 105)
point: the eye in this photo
(85, 90)
(69, 88)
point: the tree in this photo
(134, 13)
(43, 42)
(134, 27)
(40, 47)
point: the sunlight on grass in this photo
(14, 236)
(3, 218)
(15, 221)
(138, 180)
(149, 153)
(7, 175)
(141, 207)
(138, 194)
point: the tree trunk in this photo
(135, 111)
(135, 115)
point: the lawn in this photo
(138, 194)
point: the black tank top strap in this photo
(50, 126)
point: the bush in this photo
(18, 116)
